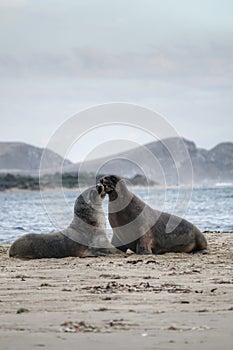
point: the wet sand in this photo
(171, 301)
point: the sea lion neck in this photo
(113, 195)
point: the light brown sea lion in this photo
(85, 236)
(138, 227)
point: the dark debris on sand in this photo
(114, 287)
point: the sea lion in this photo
(144, 230)
(85, 236)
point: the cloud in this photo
(209, 65)
(13, 3)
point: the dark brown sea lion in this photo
(138, 227)
(85, 236)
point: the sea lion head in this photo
(110, 182)
(117, 190)
(100, 190)
(90, 199)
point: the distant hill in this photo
(21, 158)
(153, 160)
(209, 166)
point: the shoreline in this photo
(6, 245)
(171, 301)
(135, 187)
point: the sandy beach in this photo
(171, 301)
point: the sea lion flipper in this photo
(203, 251)
(118, 244)
(143, 246)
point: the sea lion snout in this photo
(101, 190)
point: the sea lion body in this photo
(144, 230)
(85, 236)
(52, 245)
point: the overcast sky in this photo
(58, 57)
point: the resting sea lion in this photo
(85, 236)
(138, 227)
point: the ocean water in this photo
(21, 213)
